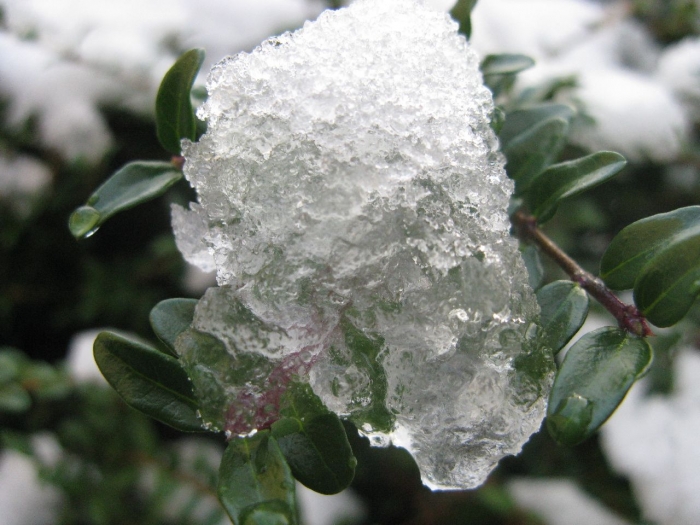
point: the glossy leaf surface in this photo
(669, 283)
(595, 376)
(135, 183)
(255, 483)
(170, 318)
(314, 443)
(148, 380)
(567, 179)
(564, 308)
(639, 242)
(175, 118)
(522, 120)
(462, 13)
(505, 64)
(531, 152)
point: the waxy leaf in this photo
(522, 120)
(134, 184)
(255, 484)
(669, 283)
(532, 151)
(314, 442)
(175, 118)
(595, 376)
(639, 242)
(170, 318)
(148, 380)
(564, 308)
(505, 64)
(660, 257)
(567, 179)
(462, 13)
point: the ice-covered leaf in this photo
(255, 483)
(462, 13)
(364, 251)
(505, 64)
(314, 443)
(641, 241)
(564, 308)
(135, 183)
(171, 317)
(148, 380)
(567, 179)
(597, 372)
(533, 150)
(175, 118)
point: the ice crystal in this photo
(353, 201)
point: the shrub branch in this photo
(628, 316)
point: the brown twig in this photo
(628, 316)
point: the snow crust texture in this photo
(353, 202)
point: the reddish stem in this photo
(628, 316)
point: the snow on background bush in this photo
(61, 61)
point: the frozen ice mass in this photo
(353, 202)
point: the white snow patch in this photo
(654, 441)
(561, 502)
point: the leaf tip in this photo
(84, 221)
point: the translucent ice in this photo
(353, 201)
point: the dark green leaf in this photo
(148, 380)
(170, 318)
(533, 150)
(255, 484)
(498, 118)
(521, 120)
(639, 242)
(595, 376)
(14, 399)
(175, 118)
(568, 179)
(669, 283)
(134, 184)
(314, 442)
(365, 351)
(564, 308)
(12, 362)
(462, 13)
(505, 64)
(533, 263)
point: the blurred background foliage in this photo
(111, 465)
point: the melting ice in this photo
(352, 199)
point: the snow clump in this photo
(353, 201)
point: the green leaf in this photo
(365, 354)
(135, 183)
(669, 283)
(505, 64)
(314, 442)
(170, 318)
(14, 399)
(255, 484)
(530, 152)
(462, 13)
(148, 380)
(175, 118)
(521, 120)
(641, 241)
(593, 379)
(567, 179)
(533, 263)
(564, 308)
